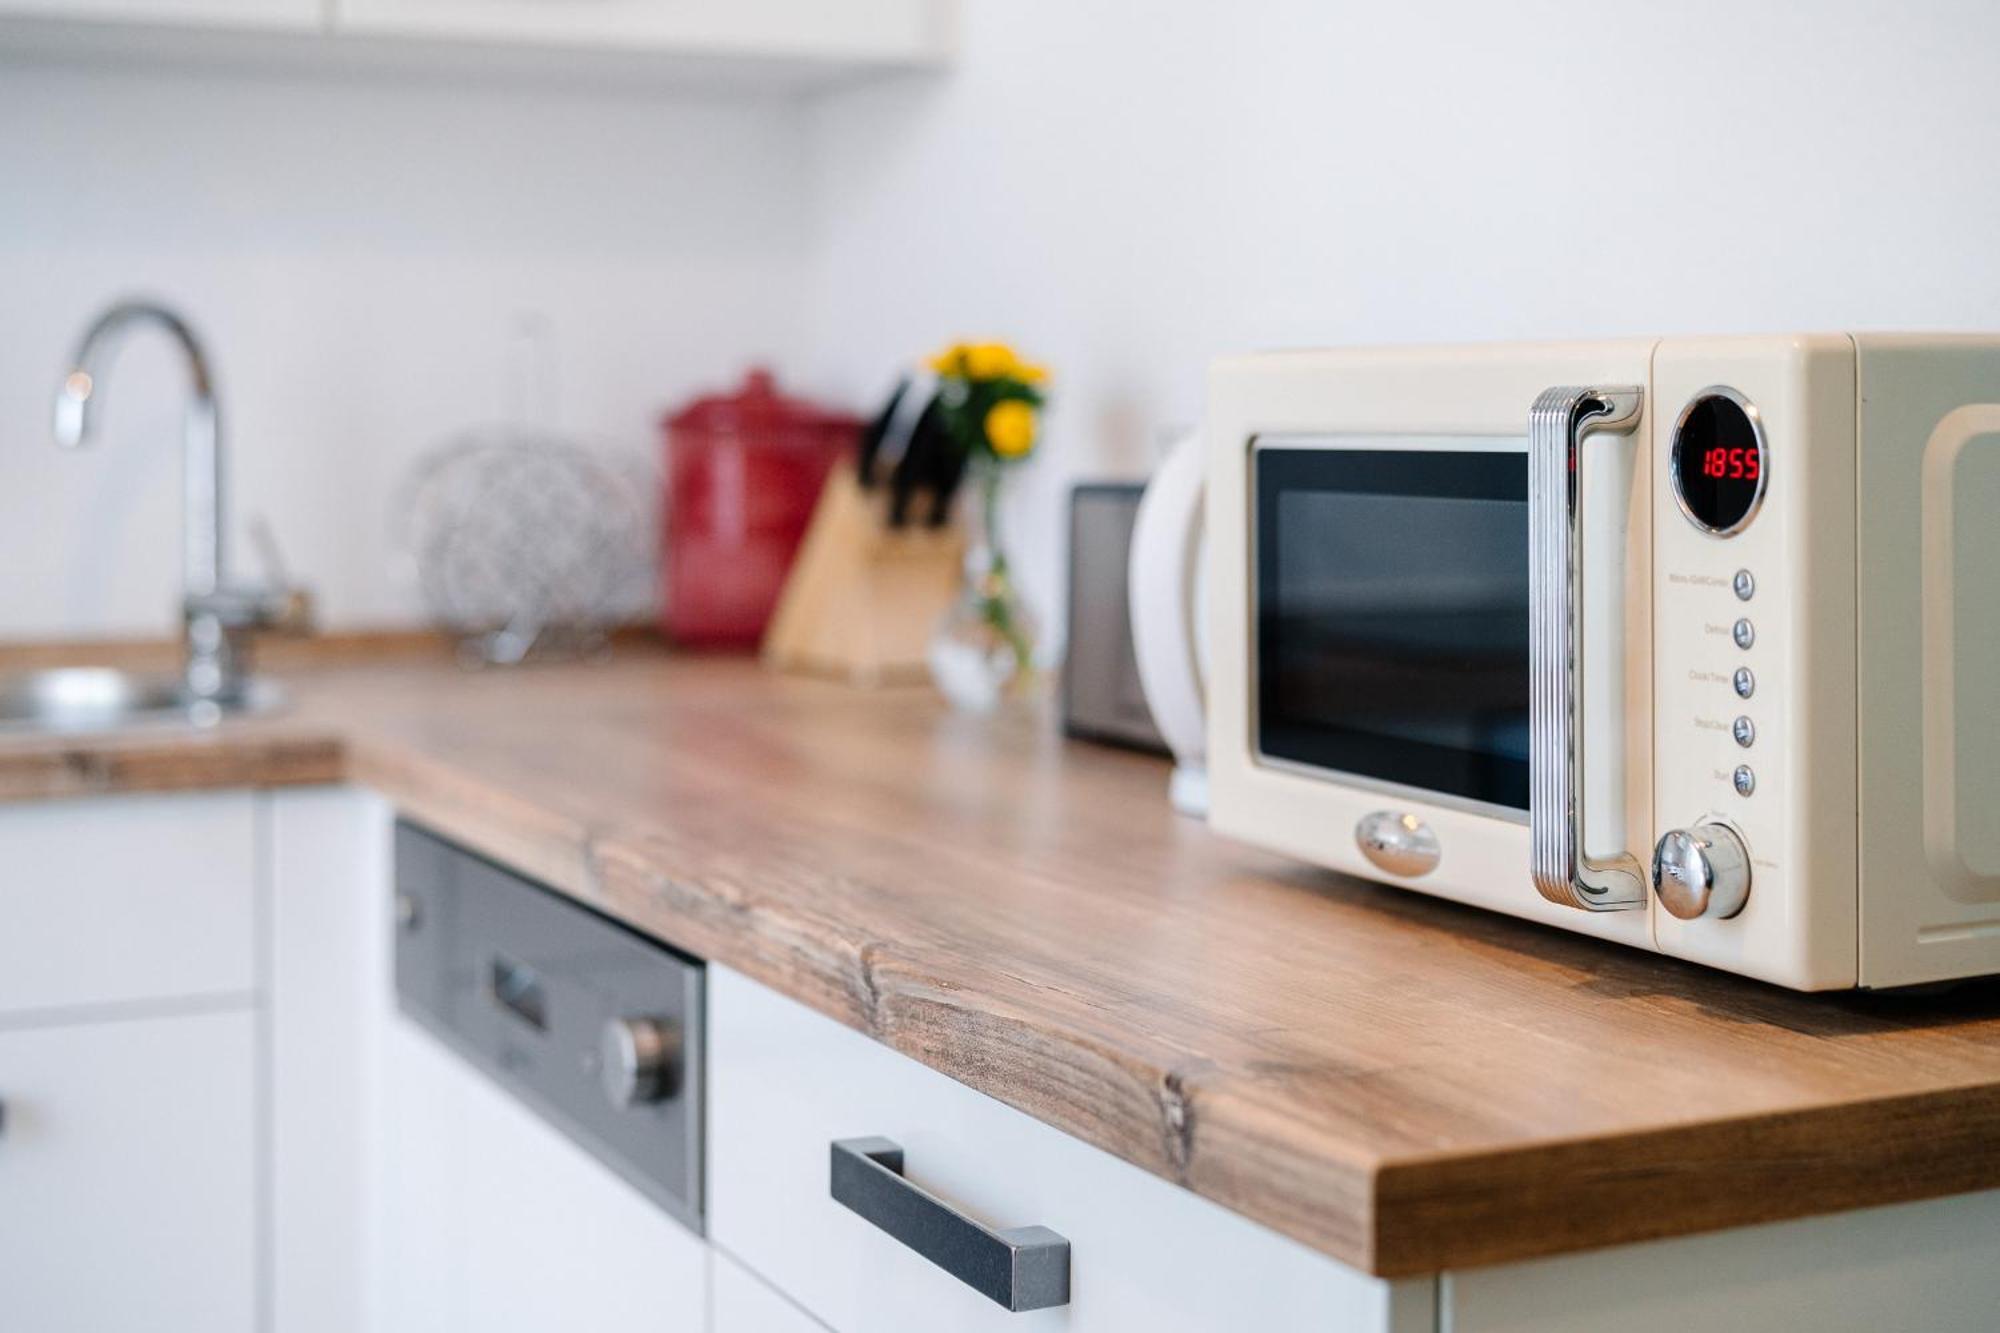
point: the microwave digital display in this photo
(1392, 616)
(1719, 461)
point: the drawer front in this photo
(786, 1083)
(127, 1175)
(126, 898)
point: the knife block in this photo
(863, 597)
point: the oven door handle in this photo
(1559, 424)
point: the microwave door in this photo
(1392, 615)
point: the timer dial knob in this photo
(638, 1058)
(1702, 871)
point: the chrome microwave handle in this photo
(1558, 424)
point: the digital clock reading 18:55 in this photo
(1719, 461)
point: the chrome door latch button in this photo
(1399, 843)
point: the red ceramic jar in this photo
(743, 473)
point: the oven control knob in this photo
(1703, 871)
(637, 1058)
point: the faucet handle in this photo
(276, 606)
(267, 610)
(283, 607)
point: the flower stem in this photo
(996, 602)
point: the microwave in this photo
(1691, 644)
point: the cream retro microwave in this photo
(1689, 643)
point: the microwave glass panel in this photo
(1392, 614)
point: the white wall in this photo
(357, 254)
(1127, 188)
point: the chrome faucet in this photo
(217, 619)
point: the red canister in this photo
(743, 472)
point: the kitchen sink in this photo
(101, 699)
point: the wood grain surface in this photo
(1401, 1083)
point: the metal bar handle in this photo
(1024, 1268)
(1558, 424)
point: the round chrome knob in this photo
(637, 1058)
(1703, 871)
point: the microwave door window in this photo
(1392, 616)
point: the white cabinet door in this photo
(886, 31)
(330, 1002)
(128, 1175)
(1918, 1265)
(294, 15)
(492, 1220)
(785, 1082)
(745, 1303)
(118, 899)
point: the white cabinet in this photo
(116, 900)
(1924, 1265)
(129, 1066)
(493, 1220)
(785, 1082)
(778, 45)
(273, 15)
(742, 1302)
(329, 1002)
(880, 31)
(128, 1192)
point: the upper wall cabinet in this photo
(894, 31)
(301, 16)
(781, 44)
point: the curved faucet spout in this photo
(202, 559)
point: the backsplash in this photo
(359, 256)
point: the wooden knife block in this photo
(863, 598)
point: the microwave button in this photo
(1702, 872)
(1743, 632)
(1745, 585)
(1743, 779)
(1744, 730)
(1745, 682)
(1398, 843)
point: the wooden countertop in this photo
(1403, 1084)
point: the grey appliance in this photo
(1102, 699)
(595, 1028)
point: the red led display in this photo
(1736, 464)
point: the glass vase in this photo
(982, 653)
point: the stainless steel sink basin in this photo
(101, 699)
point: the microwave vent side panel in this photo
(1929, 664)
(1473, 390)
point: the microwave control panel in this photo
(1750, 514)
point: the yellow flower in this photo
(951, 361)
(990, 361)
(1010, 428)
(986, 361)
